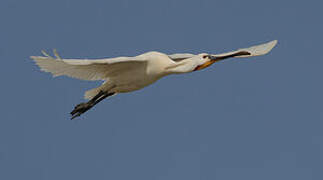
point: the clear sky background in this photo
(255, 118)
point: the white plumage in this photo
(125, 74)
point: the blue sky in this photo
(256, 118)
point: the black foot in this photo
(83, 107)
(80, 109)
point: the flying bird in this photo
(126, 74)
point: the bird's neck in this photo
(183, 66)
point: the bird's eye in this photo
(205, 56)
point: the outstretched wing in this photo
(257, 50)
(84, 69)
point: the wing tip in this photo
(262, 49)
(37, 58)
(272, 44)
(33, 57)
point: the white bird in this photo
(126, 74)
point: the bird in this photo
(127, 74)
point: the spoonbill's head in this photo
(204, 60)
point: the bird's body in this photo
(142, 75)
(126, 74)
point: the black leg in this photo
(102, 97)
(83, 107)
